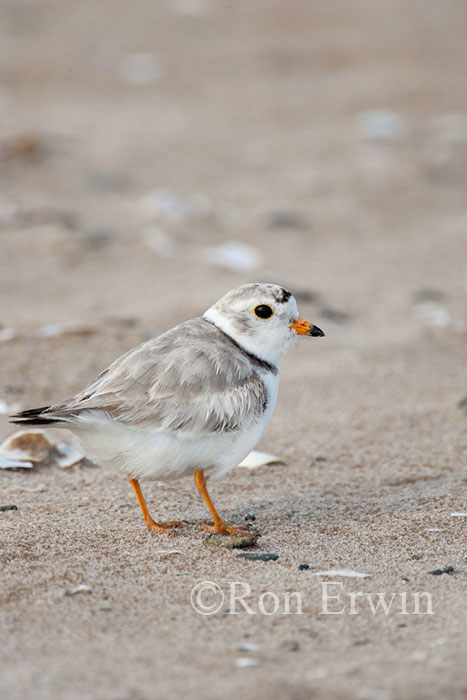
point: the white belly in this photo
(150, 454)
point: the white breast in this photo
(239, 445)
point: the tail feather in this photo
(34, 416)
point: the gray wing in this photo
(192, 379)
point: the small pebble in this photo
(258, 556)
(446, 570)
(107, 181)
(217, 539)
(96, 238)
(288, 218)
(250, 518)
(320, 458)
(303, 567)
(25, 147)
(8, 507)
(427, 294)
(463, 404)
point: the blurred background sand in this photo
(152, 156)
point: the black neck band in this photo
(257, 361)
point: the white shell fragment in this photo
(7, 408)
(259, 459)
(27, 448)
(162, 203)
(8, 334)
(161, 242)
(14, 459)
(461, 514)
(168, 552)
(245, 662)
(341, 572)
(82, 588)
(232, 255)
(67, 455)
(381, 125)
(433, 314)
(50, 330)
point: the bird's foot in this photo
(166, 527)
(225, 529)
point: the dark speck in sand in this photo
(231, 541)
(289, 219)
(446, 570)
(258, 556)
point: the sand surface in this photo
(332, 138)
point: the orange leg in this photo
(151, 525)
(219, 525)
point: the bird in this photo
(194, 400)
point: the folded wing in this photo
(190, 379)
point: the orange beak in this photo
(302, 327)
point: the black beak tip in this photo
(316, 332)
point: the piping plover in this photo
(193, 400)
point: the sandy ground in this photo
(331, 137)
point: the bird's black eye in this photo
(263, 311)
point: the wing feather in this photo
(191, 379)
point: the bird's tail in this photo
(35, 416)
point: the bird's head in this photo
(262, 318)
